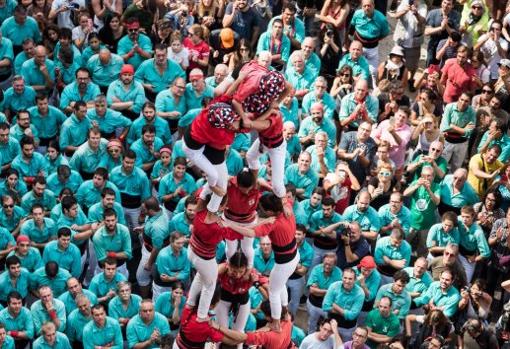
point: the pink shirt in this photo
(458, 80)
(397, 151)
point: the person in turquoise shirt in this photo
(51, 275)
(392, 253)
(442, 294)
(74, 218)
(75, 129)
(343, 302)
(172, 264)
(134, 47)
(29, 163)
(394, 214)
(241, 143)
(7, 9)
(20, 26)
(456, 191)
(370, 24)
(442, 234)
(25, 55)
(9, 146)
(175, 185)
(328, 155)
(313, 204)
(171, 103)
(141, 328)
(65, 253)
(64, 178)
(263, 258)
(159, 73)
(53, 157)
(314, 123)
(188, 118)
(11, 215)
(66, 64)
(88, 156)
(350, 103)
(104, 66)
(125, 94)
(419, 278)
(496, 134)
(39, 229)
(51, 338)
(293, 27)
(369, 279)
(299, 75)
(65, 42)
(42, 80)
(197, 90)
(48, 309)
(235, 163)
(46, 118)
(104, 284)
(102, 330)
(92, 190)
(289, 108)
(297, 281)
(302, 176)
(110, 122)
(365, 215)
(181, 222)
(162, 166)
(112, 239)
(80, 90)
(14, 279)
(18, 96)
(149, 117)
(97, 210)
(30, 257)
(297, 335)
(22, 127)
(70, 297)
(7, 242)
(94, 46)
(147, 148)
(268, 42)
(172, 303)
(396, 291)
(319, 95)
(13, 187)
(356, 60)
(78, 318)
(125, 305)
(7, 340)
(17, 318)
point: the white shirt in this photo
(490, 53)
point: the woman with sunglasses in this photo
(342, 84)
(483, 99)
(425, 133)
(382, 186)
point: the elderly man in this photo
(312, 60)
(51, 338)
(146, 328)
(323, 156)
(314, 123)
(456, 192)
(302, 176)
(126, 95)
(39, 71)
(17, 97)
(109, 121)
(48, 309)
(77, 319)
(81, 90)
(449, 260)
(289, 134)
(171, 103)
(357, 62)
(419, 278)
(299, 75)
(104, 67)
(70, 297)
(358, 106)
(319, 95)
(221, 73)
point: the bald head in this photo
(104, 56)
(264, 58)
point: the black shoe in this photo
(410, 85)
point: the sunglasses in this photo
(476, 7)
(385, 174)
(486, 91)
(132, 30)
(8, 206)
(346, 75)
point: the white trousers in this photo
(143, 276)
(468, 267)
(203, 283)
(277, 157)
(278, 277)
(454, 154)
(372, 56)
(158, 290)
(222, 311)
(246, 243)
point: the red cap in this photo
(127, 69)
(132, 24)
(22, 238)
(367, 262)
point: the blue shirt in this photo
(165, 102)
(308, 126)
(88, 195)
(100, 336)
(118, 241)
(350, 301)
(100, 286)
(31, 261)
(110, 121)
(147, 73)
(349, 104)
(32, 74)
(9, 150)
(35, 166)
(401, 301)
(72, 94)
(161, 125)
(76, 321)
(40, 315)
(104, 74)
(439, 238)
(467, 195)
(384, 247)
(144, 155)
(193, 100)
(70, 302)
(370, 28)
(448, 300)
(38, 234)
(14, 101)
(57, 284)
(135, 183)
(135, 93)
(359, 66)
(307, 181)
(73, 182)
(22, 284)
(22, 322)
(126, 44)
(403, 216)
(69, 259)
(74, 132)
(116, 308)
(326, 100)
(137, 331)
(263, 266)
(48, 125)
(19, 32)
(368, 220)
(265, 43)
(61, 342)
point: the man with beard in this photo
(62, 251)
(108, 120)
(394, 214)
(293, 27)
(126, 95)
(102, 331)
(104, 67)
(441, 295)
(70, 297)
(39, 195)
(91, 191)
(107, 201)
(18, 96)
(149, 117)
(17, 320)
(23, 127)
(358, 106)
(112, 240)
(365, 215)
(171, 104)
(315, 123)
(243, 20)
(9, 148)
(135, 46)
(302, 176)
(46, 119)
(74, 130)
(14, 279)
(39, 71)
(87, 156)
(29, 164)
(77, 320)
(147, 148)
(181, 222)
(80, 90)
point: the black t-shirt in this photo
(244, 22)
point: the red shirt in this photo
(282, 232)
(201, 50)
(241, 208)
(206, 236)
(195, 331)
(240, 286)
(250, 85)
(458, 80)
(272, 339)
(273, 135)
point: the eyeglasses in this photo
(8, 206)
(435, 149)
(476, 7)
(180, 87)
(346, 75)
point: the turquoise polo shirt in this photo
(31, 261)
(22, 322)
(368, 220)
(308, 209)
(177, 151)
(52, 165)
(402, 301)
(449, 301)
(262, 265)
(503, 142)
(161, 126)
(174, 265)
(135, 183)
(72, 94)
(165, 305)
(305, 254)
(88, 52)
(88, 195)
(66, 221)
(307, 181)
(32, 74)
(467, 195)
(74, 132)
(104, 74)
(326, 100)
(9, 150)
(350, 301)
(264, 44)
(85, 159)
(403, 217)
(17, 133)
(320, 280)
(36, 165)
(109, 163)
(58, 284)
(38, 235)
(96, 213)
(76, 53)
(318, 220)
(116, 308)
(180, 223)
(299, 81)
(375, 27)
(96, 336)
(20, 188)
(17, 33)
(383, 247)
(135, 93)
(372, 282)
(110, 121)
(137, 331)
(40, 315)
(418, 285)
(61, 342)
(73, 182)
(159, 170)
(22, 284)
(291, 113)
(235, 162)
(359, 66)
(195, 101)
(100, 286)
(473, 239)
(68, 73)
(6, 239)
(143, 153)
(69, 259)
(349, 104)
(188, 118)
(14, 101)
(329, 159)
(7, 10)
(70, 302)
(12, 222)
(8, 343)
(19, 60)
(439, 238)
(308, 126)
(165, 102)
(156, 228)
(256, 299)
(452, 115)
(168, 185)
(126, 44)
(76, 321)
(242, 142)
(297, 29)
(299, 213)
(48, 125)
(148, 73)
(119, 241)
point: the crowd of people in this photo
(196, 173)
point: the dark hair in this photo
(107, 191)
(497, 195)
(64, 171)
(36, 205)
(14, 295)
(451, 216)
(271, 202)
(65, 33)
(83, 70)
(40, 180)
(291, 188)
(54, 144)
(51, 269)
(109, 212)
(64, 231)
(148, 104)
(148, 128)
(79, 104)
(68, 202)
(402, 276)
(93, 35)
(152, 204)
(4, 126)
(11, 260)
(245, 178)
(301, 227)
(180, 160)
(97, 306)
(130, 154)
(328, 201)
(238, 260)
(291, 6)
(101, 171)
(190, 200)
(26, 140)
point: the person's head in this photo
(237, 265)
(74, 287)
(316, 197)
(45, 294)
(23, 119)
(348, 279)
(37, 211)
(446, 6)
(196, 77)
(329, 262)
(245, 181)
(149, 111)
(289, 13)
(49, 332)
(324, 330)
(27, 145)
(265, 246)
(110, 268)
(363, 202)
(177, 241)
(304, 161)
(308, 46)
(384, 172)
(396, 202)
(277, 28)
(80, 109)
(165, 155)
(446, 279)
(397, 237)
(478, 286)
(264, 58)
(28, 47)
(104, 56)
(133, 28)
(151, 206)
(464, 101)
(360, 90)
(148, 134)
(83, 305)
(94, 42)
(69, 206)
(320, 86)
(13, 266)
(123, 290)
(126, 74)
(492, 153)
(427, 173)
(20, 14)
(401, 116)
(364, 130)
(492, 199)
(368, 7)
(473, 327)
(110, 219)
(22, 245)
(359, 337)
(355, 49)
(51, 269)
(459, 178)
(467, 215)
(384, 306)
(197, 33)
(98, 315)
(190, 207)
(448, 221)
(179, 167)
(436, 149)
(297, 59)
(400, 281)
(366, 266)
(18, 84)
(328, 207)
(83, 78)
(128, 162)
(14, 302)
(160, 55)
(420, 267)
(40, 55)
(64, 237)
(450, 254)
(300, 233)
(147, 310)
(317, 113)
(100, 177)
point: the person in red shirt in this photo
(198, 49)
(234, 287)
(458, 76)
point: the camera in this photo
(74, 6)
(330, 33)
